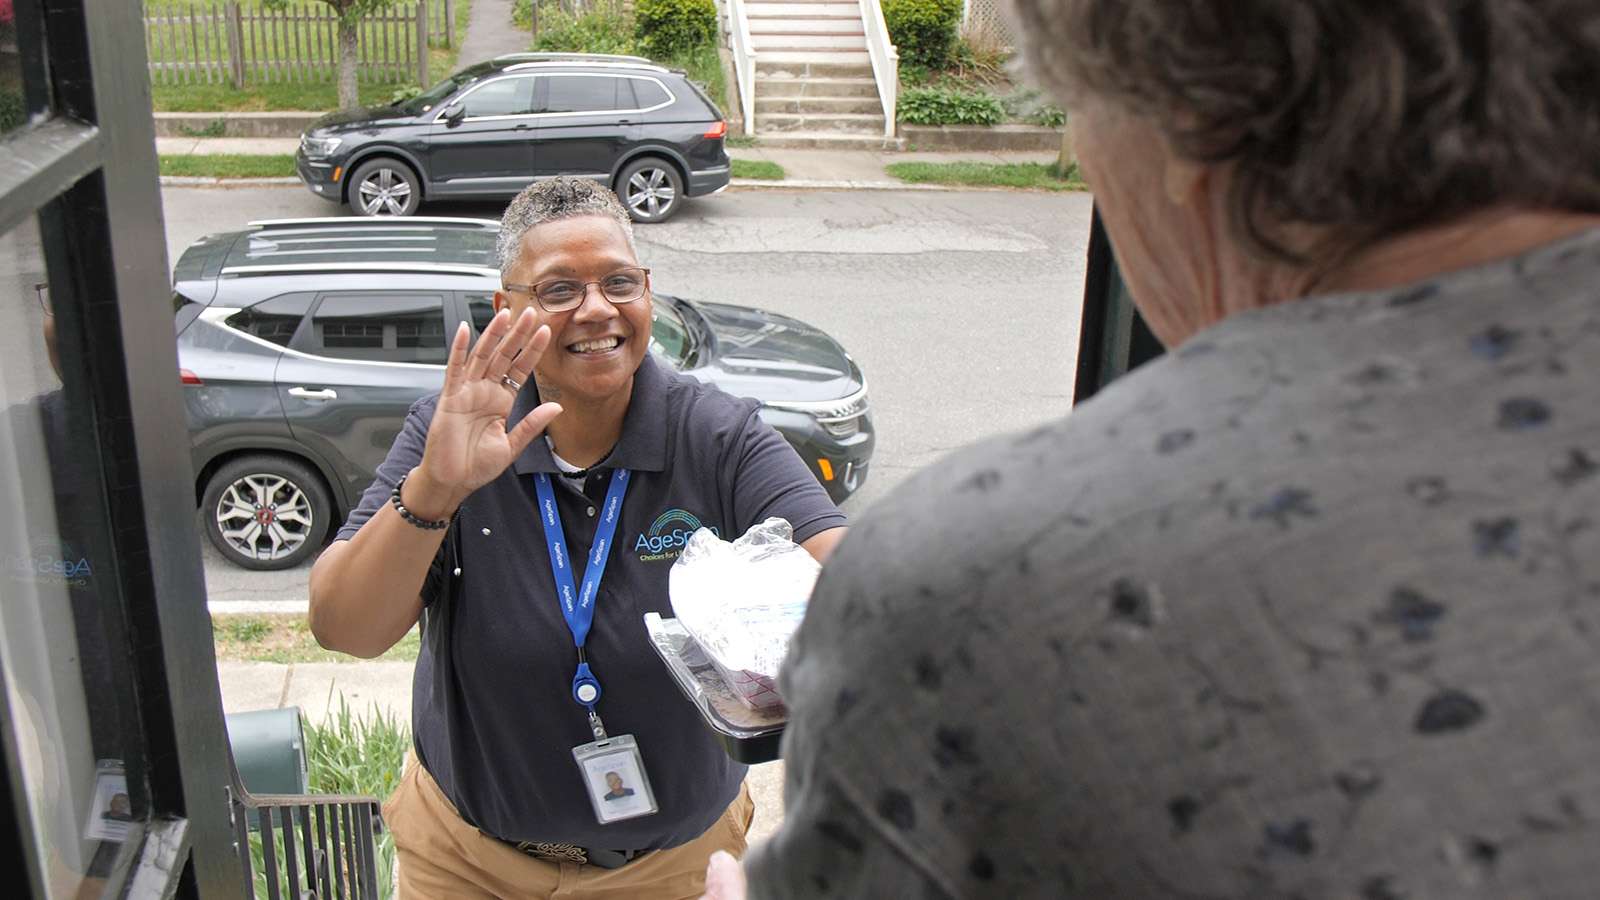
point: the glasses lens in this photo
(624, 286)
(556, 296)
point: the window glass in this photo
(65, 691)
(481, 308)
(273, 320)
(14, 100)
(669, 336)
(384, 327)
(649, 93)
(504, 97)
(581, 93)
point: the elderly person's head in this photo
(566, 252)
(1244, 152)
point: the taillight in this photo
(187, 377)
(718, 130)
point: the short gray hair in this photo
(1360, 120)
(550, 201)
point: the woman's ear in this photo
(501, 301)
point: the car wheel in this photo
(651, 189)
(384, 187)
(266, 512)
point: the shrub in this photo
(13, 111)
(933, 106)
(667, 28)
(1048, 116)
(924, 31)
(596, 31)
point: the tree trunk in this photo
(348, 96)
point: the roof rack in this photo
(592, 64)
(378, 221)
(568, 57)
(426, 267)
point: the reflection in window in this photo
(405, 328)
(669, 336)
(63, 684)
(13, 102)
(649, 93)
(506, 97)
(582, 93)
(274, 320)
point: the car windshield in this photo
(428, 99)
(670, 336)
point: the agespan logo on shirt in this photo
(668, 534)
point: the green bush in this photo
(596, 31)
(924, 31)
(667, 28)
(932, 106)
(1048, 116)
(13, 111)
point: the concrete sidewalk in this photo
(366, 685)
(802, 168)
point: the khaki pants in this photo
(441, 856)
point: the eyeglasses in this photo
(42, 291)
(562, 294)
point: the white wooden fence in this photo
(228, 43)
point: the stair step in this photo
(816, 87)
(789, 42)
(790, 8)
(814, 140)
(773, 65)
(760, 27)
(830, 122)
(818, 106)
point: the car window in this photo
(274, 320)
(480, 307)
(583, 93)
(649, 93)
(502, 97)
(380, 327)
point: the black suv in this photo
(489, 130)
(303, 342)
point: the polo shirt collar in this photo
(643, 445)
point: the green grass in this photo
(229, 165)
(179, 46)
(757, 168)
(287, 639)
(742, 141)
(347, 754)
(1031, 176)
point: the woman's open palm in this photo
(469, 444)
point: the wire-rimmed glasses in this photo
(561, 294)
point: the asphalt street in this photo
(961, 308)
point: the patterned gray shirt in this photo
(1309, 608)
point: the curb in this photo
(791, 184)
(258, 607)
(196, 181)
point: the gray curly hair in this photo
(550, 201)
(1360, 119)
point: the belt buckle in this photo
(556, 853)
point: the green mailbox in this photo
(269, 749)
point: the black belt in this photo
(583, 856)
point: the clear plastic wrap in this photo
(742, 601)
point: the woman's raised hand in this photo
(469, 444)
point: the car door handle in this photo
(624, 121)
(308, 394)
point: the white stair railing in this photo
(744, 62)
(885, 60)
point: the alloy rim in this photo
(650, 193)
(264, 517)
(384, 192)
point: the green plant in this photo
(740, 140)
(1049, 116)
(914, 75)
(1030, 176)
(212, 129)
(600, 30)
(934, 106)
(12, 109)
(668, 27)
(245, 630)
(924, 31)
(761, 169)
(404, 93)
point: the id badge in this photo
(613, 774)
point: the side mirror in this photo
(454, 113)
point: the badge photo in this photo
(613, 774)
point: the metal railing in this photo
(885, 61)
(319, 846)
(744, 62)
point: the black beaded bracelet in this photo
(408, 515)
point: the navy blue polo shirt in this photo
(493, 717)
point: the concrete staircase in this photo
(814, 86)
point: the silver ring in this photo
(512, 383)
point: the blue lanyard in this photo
(577, 603)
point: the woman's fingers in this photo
(532, 425)
(488, 342)
(455, 368)
(515, 342)
(532, 350)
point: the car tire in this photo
(266, 512)
(650, 189)
(384, 187)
